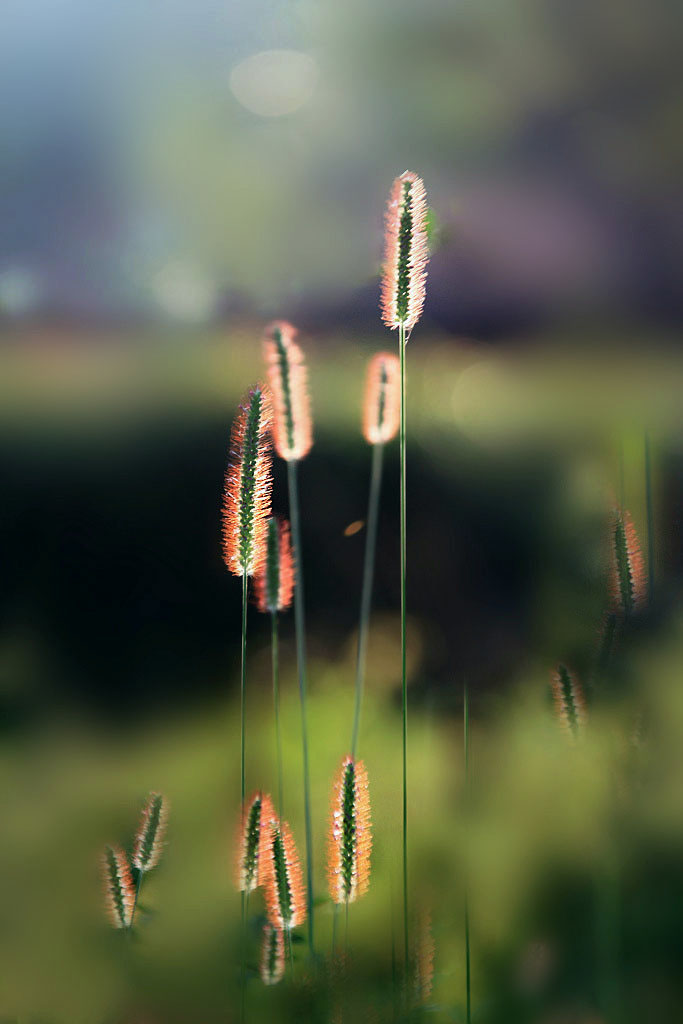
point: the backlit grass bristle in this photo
(569, 701)
(272, 955)
(248, 485)
(280, 872)
(406, 252)
(275, 585)
(350, 838)
(248, 860)
(119, 890)
(424, 960)
(288, 377)
(628, 579)
(149, 839)
(381, 408)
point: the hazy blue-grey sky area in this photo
(158, 159)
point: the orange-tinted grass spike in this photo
(118, 887)
(272, 964)
(149, 838)
(406, 252)
(280, 871)
(382, 398)
(349, 843)
(288, 378)
(569, 701)
(627, 578)
(248, 485)
(275, 585)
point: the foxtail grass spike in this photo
(628, 579)
(247, 866)
(272, 955)
(406, 253)
(381, 409)
(119, 890)
(248, 485)
(275, 585)
(350, 837)
(280, 871)
(149, 839)
(288, 378)
(424, 960)
(569, 701)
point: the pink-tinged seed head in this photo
(288, 378)
(381, 409)
(349, 842)
(406, 253)
(274, 587)
(117, 887)
(248, 485)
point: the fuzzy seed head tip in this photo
(288, 378)
(275, 584)
(282, 875)
(627, 576)
(349, 844)
(381, 408)
(117, 887)
(248, 485)
(406, 253)
(149, 838)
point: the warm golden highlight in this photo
(248, 858)
(280, 873)
(288, 378)
(275, 585)
(627, 577)
(248, 485)
(569, 701)
(406, 252)
(381, 408)
(349, 844)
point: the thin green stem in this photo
(650, 519)
(335, 915)
(404, 683)
(466, 744)
(276, 703)
(300, 628)
(243, 686)
(137, 896)
(366, 593)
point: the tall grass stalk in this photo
(366, 592)
(466, 746)
(650, 518)
(275, 659)
(404, 680)
(300, 629)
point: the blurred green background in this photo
(174, 175)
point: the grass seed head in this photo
(288, 378)
(275, 585)
(627, 578)
(381, 408)
(248, 859)
(281, 875)
(118, 887)
(349, 843)
(149, 838)
(569, 701)
(424, 959)
(406, 252)
(272, 955)
(248, 485)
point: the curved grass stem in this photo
(300, 629)
(366, 593)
